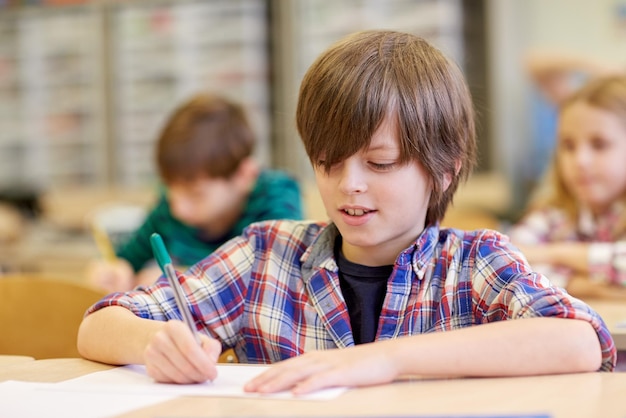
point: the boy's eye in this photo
(382, 166)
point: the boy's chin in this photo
(197, 224)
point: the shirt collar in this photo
(319, 255)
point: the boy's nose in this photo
(352, 178)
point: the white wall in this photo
(589, 26)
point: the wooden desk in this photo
(613, 312)
(50, 370)
(559, 396)
(7, 360)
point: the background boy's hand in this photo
(365, 365)
(115, 276)
(148, 275)
(174, 356)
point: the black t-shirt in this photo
(364, 290)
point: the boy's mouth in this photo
(356, 212)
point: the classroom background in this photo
(86, 85)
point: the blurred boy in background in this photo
(214, 188)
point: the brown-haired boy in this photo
(387, 122)
(214, 189)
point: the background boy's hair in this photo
(207, 136)
(370, 75)
(606, 93)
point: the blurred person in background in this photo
(574, 229)
(214, 188)
(554, 75)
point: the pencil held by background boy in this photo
(380, 290)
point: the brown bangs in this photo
(339, 108)
(372, 75)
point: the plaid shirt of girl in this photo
(607, 254)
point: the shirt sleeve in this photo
(554, 302)
(507, 287)
(215, 291)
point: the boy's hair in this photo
(368, 76)
(606, 93)
(208, 136)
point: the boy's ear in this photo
(246, 175)
(447, 178)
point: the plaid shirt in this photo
(274, 293)
(607, 256)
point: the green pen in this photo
(165, 262)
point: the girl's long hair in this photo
(609, 94)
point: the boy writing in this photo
(387, 122)
(214, 189)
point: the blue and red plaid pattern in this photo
(274, 293)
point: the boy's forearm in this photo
(114, 335)
(507, 348)
(573, 255)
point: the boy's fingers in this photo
(159, 365)
(268, 381)
(175, 356)
(212, 347)
(323, 379)
(192, 359)
(283, 376)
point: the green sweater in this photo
(275, 196)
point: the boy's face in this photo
(378, 205)
(591, 151)
(203, 202)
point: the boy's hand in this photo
(116, 276)
(148, 275)
(174, 356)
(365, 365)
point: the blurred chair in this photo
(40, 316)
(228, 356)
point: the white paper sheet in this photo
(37, 400)
(123, 389)
(133, 379)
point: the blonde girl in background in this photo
(574, 230)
